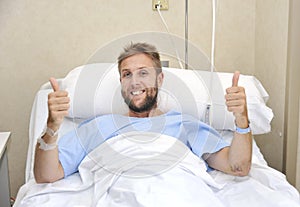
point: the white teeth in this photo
(136, 92)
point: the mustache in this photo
(149, 103)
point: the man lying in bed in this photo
(141, 77)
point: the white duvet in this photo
(148, 169)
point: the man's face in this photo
(139, 82)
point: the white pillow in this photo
(95, 89)
(260, 115)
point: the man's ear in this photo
(160, 79)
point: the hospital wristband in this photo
(50, 132)
(44, 146)
(242, 130)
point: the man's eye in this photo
(143, 72)
(126, 75)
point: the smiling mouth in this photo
(136, 93)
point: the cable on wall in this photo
(213, 36)
(209, 108)
(186, 34)
(172, 41)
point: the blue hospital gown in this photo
(76, 144)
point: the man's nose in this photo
(135, 79)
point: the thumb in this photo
(54, 84)
(235, 78)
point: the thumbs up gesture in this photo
(58, 105)
(236, 102)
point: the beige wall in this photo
(271, 42)
(39, 39)
(298, 154)
(235, 33)
(292, 96)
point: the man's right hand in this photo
(58, 105)
(47, 168)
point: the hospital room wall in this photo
(39, 39)
(292, 121)
(277, 66)
(271, 42)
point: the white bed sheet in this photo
(127, 171)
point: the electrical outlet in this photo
(164, 4)
(165, 63)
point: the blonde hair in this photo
(141, 48)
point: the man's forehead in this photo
(136, 61)
(132, 69)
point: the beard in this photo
(149, 102)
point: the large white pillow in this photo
(260, 115)
(95, 89)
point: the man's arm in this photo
(47, 167)
(236, 159)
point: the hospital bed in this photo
(94, 89)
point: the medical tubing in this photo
(186, 33)
(172, 41)
(213, 35)
(209, 111)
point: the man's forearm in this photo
(234, 160)
(240, 154)
(47, 167)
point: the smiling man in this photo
(141, 77)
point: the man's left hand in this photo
(236, 102)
